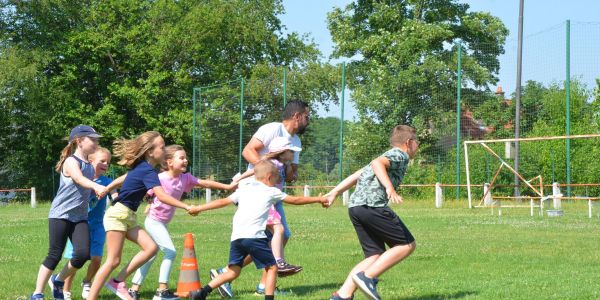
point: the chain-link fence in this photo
(472, 98)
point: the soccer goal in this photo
(544, 163)
(8, 196)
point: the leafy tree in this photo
(126, 67)
(404, 64)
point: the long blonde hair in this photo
(67, 151)
(133, 150)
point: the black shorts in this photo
(377, 227)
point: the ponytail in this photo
(65, 153)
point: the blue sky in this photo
(544, 29)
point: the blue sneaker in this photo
(366, 285)
(225, 289)
(57, 288)
(36, 296)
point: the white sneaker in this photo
(85, 289)
(67, 295)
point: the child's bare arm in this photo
(380, 166)
(246, 174)
(300, 200)
(165, 198)
(343, 186)
(72, 169)
(115, 184)
(219, 203)
(209, 184)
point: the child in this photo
(175, 182)
(375, 223)
(254, 199)
(100, 161)
(281, 154)
(140, 155)
(69, 211)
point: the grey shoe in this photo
(225, 289)
(366, 285)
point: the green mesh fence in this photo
(470, 97)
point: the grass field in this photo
(461, 253)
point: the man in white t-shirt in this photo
(295, 120)
(249, 223)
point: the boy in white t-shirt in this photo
(254, 198)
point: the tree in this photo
(404, 64)
(126, 67)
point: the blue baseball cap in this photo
(81, 131)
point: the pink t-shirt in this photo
(175, 187)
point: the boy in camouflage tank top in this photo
(375, 223)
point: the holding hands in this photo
(330, 197)
(193, 210)
(100, 190)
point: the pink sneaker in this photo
(119, 288)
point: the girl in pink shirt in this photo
(175, 181)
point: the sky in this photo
(543, 31)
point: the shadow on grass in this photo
(457, 295)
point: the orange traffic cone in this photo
(189, 280)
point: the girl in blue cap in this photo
(69, 211)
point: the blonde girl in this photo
(141, 155)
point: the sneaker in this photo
(135, 295)
(196, 295)
(284, 269)
(367, 285)
(36, 296)
(164, 295)
(67, 295)
(85, 289)
(57, 288)
(119, 288)
(225, 289)
(336, 296)
(260, 291)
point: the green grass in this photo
(461, 253)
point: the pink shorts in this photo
(274, 216)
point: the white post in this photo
(556, 193)
(208, 195)
(33, 201)
(468, 174)
(306, 191)
(345, 197)
(488, 195)
(438, 195)
(590, 208)
(531, 205)
(499, 207)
